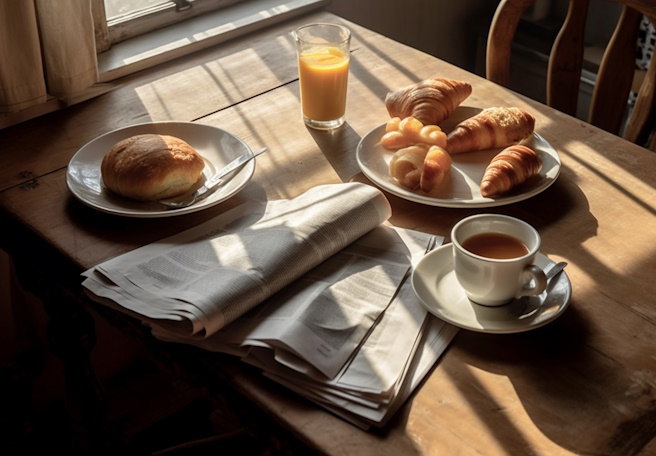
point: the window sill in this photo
(198, 33)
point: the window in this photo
(132, 35)
(119, 20)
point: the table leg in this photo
(71, 337)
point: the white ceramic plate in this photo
(435, 283)
(216, 146)
(463, 189)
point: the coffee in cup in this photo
(493, 258)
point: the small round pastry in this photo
(407, 165)
(150, 167)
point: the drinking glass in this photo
(323, 63)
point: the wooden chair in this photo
(616, 72)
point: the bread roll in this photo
(150, 167)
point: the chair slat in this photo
(566, 60)
(643, 119)
(499, 43)
(615, 76)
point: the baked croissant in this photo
(490, 128)
(430, 101)
(512, 166)
(436, 166)
(407, 165)
(405, 132)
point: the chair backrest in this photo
(616, 72)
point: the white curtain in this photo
(47, 47)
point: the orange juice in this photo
(323, 76)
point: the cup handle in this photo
(533, 281)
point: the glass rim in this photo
(322, 24)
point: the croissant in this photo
(430, 101)
(490, 128)
(436, 166)
(407, 165)
(405, 132)
(512, 166)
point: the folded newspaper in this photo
(313, 290)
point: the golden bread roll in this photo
(430, 101)
(509, 168)
(150, 167)
(490, 128)
(400, 133)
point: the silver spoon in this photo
(520, 307)
(185, 200)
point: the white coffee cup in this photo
(497, 268)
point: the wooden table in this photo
(584, 384)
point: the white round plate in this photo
(435, 283)
(463, 189)
(216, 146)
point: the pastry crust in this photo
(150, 167)
(490, 128)
(430, 101)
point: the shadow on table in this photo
(338, 146)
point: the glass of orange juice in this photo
(323, 62)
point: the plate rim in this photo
(246, 173)
(409, 195)
(524, 325)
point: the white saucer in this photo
(435, 283)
